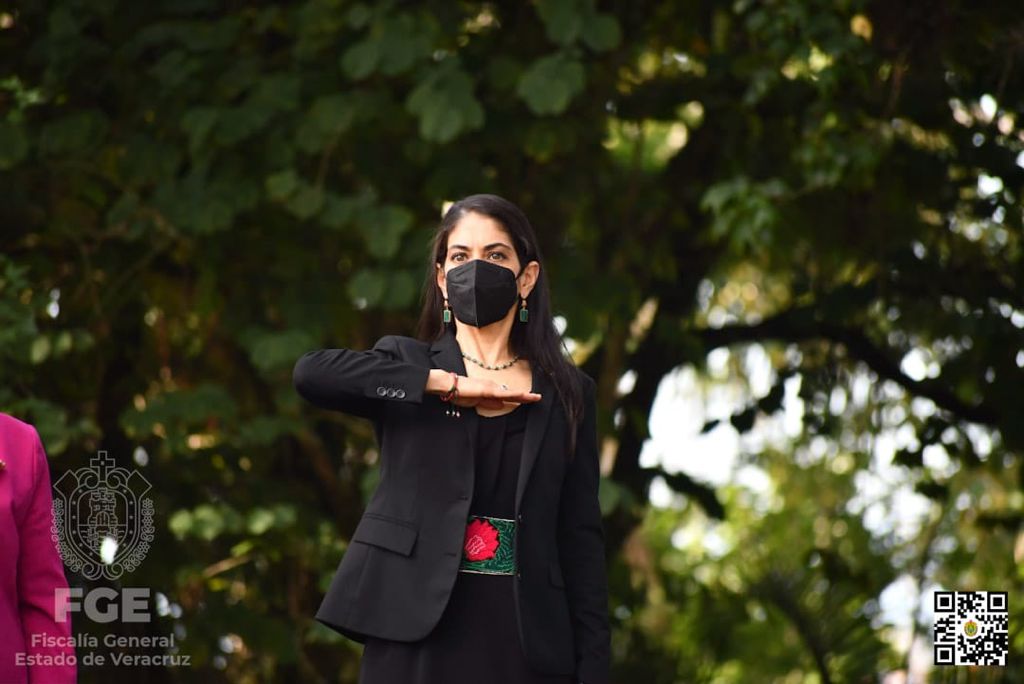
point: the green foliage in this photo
(566, 21)
(444, 103)
(744, 213)
(551, 82)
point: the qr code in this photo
(971, 628)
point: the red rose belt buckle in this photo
(489, 546)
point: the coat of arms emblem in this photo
(102, 525)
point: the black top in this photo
(476, 639)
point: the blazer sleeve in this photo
(359, 382)
(582, 551)
(40, 575)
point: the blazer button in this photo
(400, 394)
(381, 391)
(519, 518)
(519, 575)
(391, 391)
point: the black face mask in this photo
(481, 292)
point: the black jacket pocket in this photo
(388, 533)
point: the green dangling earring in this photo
(524, 313)
(446, 315)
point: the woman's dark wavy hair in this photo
(536, 340)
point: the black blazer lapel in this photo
(536, 423)
(445, 354)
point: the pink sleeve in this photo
(40, 574)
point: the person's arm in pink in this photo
(40, 576)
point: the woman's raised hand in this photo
(489, 394)
(478, 391)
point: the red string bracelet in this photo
(451, 394)
(454, 388)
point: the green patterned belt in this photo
(489, 546)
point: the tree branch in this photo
(797, 325)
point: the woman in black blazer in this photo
(480, 557)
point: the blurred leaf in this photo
(367, 285)
(275, 349)
(601, 32)
(74, 133)
(306, 201)
(563, 19)
(395, 42)
(549, 84)
(445, 104)
(40, 349)
(282, 184)
(383, 228)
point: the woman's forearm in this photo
(439, 381)
(359, 382)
